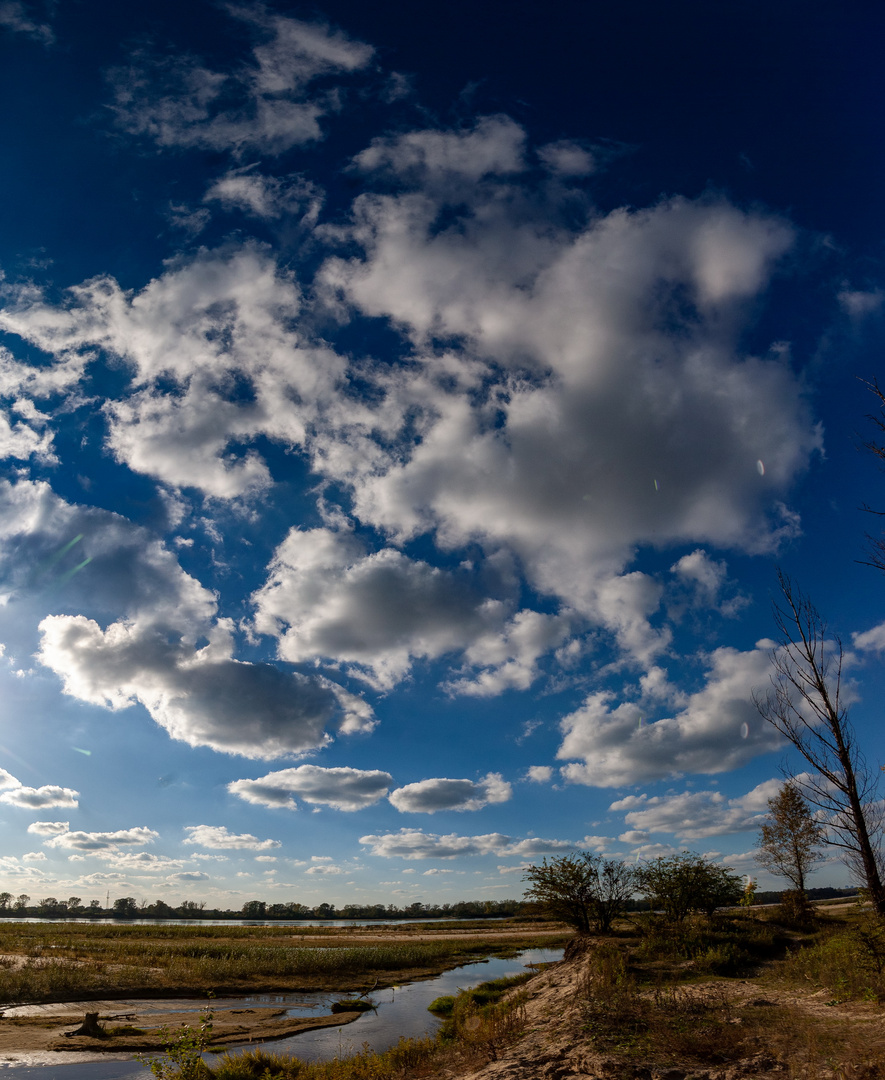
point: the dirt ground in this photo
(555, 1044)
(52, 1026)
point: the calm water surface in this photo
(401, 1010)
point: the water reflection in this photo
(401, 1010)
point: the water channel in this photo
(401, 1011)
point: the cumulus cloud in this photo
(266, 197)
(149, 653)
(99, 841)
(193, 338)
(339, 788)
(718, 729)
(706, 579)
(539, 774)
(576, 420)
(264, 106)
(429, 796)
(14, 793)
(416, 844)
(142, 861)
(202, 697)
(326, 595)
(859, 303)
(324, 871)
(568, 158)
(494, 146)
(49, 828)
(40, 798)
(872, 640)
(692, 815)
(218, 837)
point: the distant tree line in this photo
(128, 907)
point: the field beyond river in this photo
(64, 970)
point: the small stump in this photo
(90, 1027)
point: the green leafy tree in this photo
(21, 902)
(681, 884)
(584, 890)
(5, 900)
(790, 841)
(125, 907)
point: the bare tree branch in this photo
(804, 703)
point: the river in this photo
(401, 1011)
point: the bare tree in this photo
(805, 705)
(790, 841)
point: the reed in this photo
(61, 961)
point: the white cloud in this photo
(859, 303)
(539, 774)
(340, 788)
(187, 876)
(508, 659)
(208, 326)
(14, 793)
(100, 841)
(416, 844)
(494, 146)
(324, 870)
(219, 838)
(142, 862)
(379, 612)
(34, 856)
(575, 421)
(49, 828)
(429, 796)
(263, 106)
(695, 814)
(567, 158)
(718, 729)
(40, 798)
(872, 640)
(203, 697)
(266, 197)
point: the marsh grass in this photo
(409, 1058)
(52, 961)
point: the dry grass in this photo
(67, 961)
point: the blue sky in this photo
(404, 414)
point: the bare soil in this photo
(790, 1034)
(51, 1029)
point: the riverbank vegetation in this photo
(67, 961)
(753, 992)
